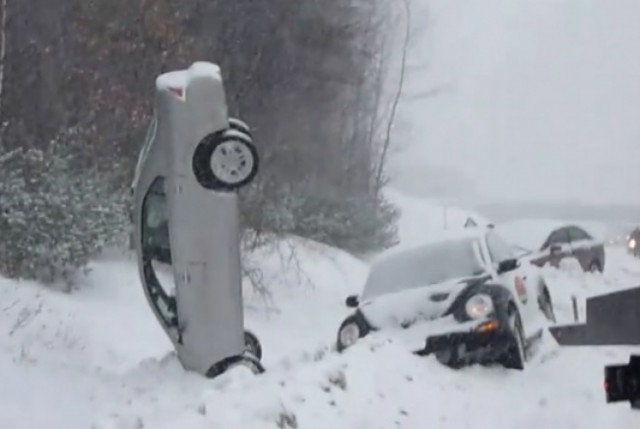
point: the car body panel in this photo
(206, 325)
(416, 336)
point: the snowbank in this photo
(97, 359)
(99, 351)
(378, 385)
(422, 217)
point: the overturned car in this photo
(464, 298)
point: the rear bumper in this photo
(489, 340)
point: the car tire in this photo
(247, 360)
(252, 344)
(515, 355)
(449, 358)
(225, 161)
(546, 306)
(358, 327)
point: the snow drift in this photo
(97, 359)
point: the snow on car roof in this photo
(180, 78)
(450, 257)
(431, 238)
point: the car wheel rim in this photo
(349, 334)
(252, 349)
(232, 161)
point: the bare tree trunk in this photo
(3, 47)
(397, 96)
(373, 125)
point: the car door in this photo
(582, 246)
(517, 281)
(557, 246)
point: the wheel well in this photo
(545, 292)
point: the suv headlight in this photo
(632, 243)
(479, 306)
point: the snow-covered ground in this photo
(97, 359)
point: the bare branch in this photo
(430, 93)
(398, 95)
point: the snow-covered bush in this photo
(56, 212)
(357, 223)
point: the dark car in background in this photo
(551, 242)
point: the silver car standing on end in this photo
(186, 220)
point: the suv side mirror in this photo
(508, 265)
(352, 301)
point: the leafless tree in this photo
(398, 94)
(3, 44)
(302, 73)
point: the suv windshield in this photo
(424, 266)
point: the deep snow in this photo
(97, 359)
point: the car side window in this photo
(156, 250)
(499, 250)
(577, 234)
(155, 222)
(559, 236)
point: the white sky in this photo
(542, 99)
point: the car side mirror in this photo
(508, 265)
(352, 301)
